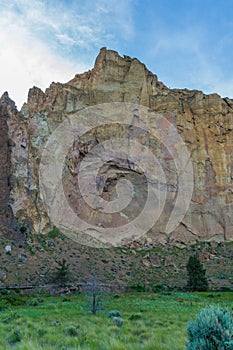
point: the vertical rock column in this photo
(6, 216)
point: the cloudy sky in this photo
(187, 43)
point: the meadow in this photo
(150, 321)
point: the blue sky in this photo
(187, 43)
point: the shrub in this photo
(15, 337)
(157, 288)
(65, 300)
(54, 233)
(118, 321)
(12, 316)
(41, 332)
(225, 289)
(35, 302)
(211, 330)
(138, 287)
(4, 292)
(135, 317)
(62, 275)
(13, 300)
(114, 313)
(72, 331)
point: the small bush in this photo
(3, 305)
(211, 330)
(12, 316)
(13, 300)
(17, 290)
(138, 287)
(210, 296)
(72, 331)
(134, 317)
(118, 321)
(31, 250)
(35, 302)
(41, 332)
(4, 292)
(62, 274)
(54, 233)
(225, 289)
(14, 337)
(114, 313)
(157, 288)
(66, 300)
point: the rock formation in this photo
(205, 122)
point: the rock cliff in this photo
(205, 123)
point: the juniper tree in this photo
(197, 280)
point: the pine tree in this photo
(197, 280)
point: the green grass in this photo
(66, 323)
(54, 233)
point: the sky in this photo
(186, 43)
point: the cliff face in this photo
(205, 123)
(6, 106)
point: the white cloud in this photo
(65, 39)
(43, 42)
(24, 64)
(25, 60)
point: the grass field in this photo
(150, 321)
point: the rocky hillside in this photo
(205, 123)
